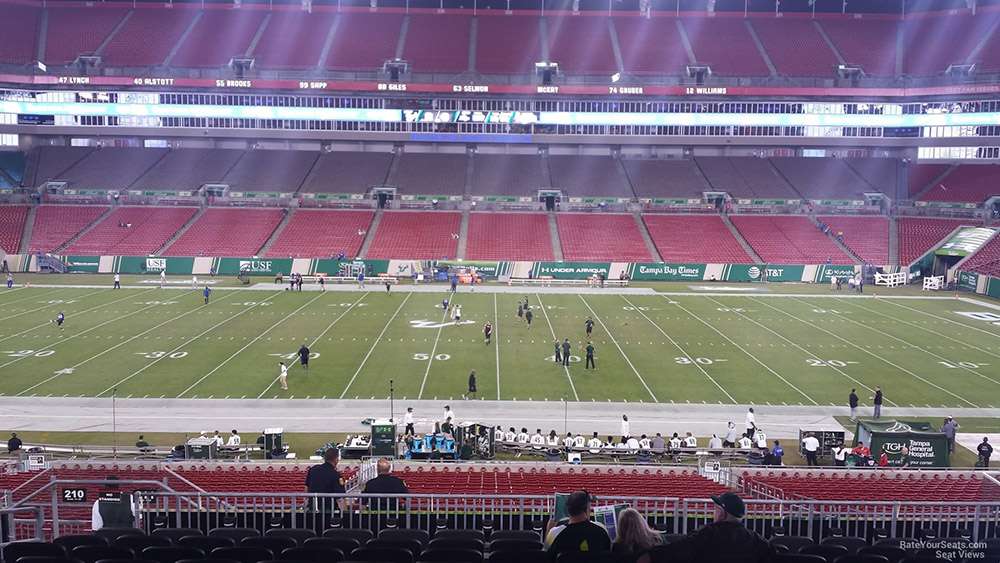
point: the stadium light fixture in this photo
(546, 70)
(395, 68)
(960, 71)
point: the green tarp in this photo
(968, 280)
(917, 444)
(83, 264)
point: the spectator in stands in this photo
(810, 445)
(985, 450)
(730, 441)
(883, 460)
(325, 479)
(634, 537)
(715, 443)
(949, 428)
(386, 484)
(725, 539)
(578, 534)
(658, 443)
(113, 509)
(14, 444)
(862, 452)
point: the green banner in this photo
(965, 242)
(252, 266)
(968, 280)
(827, 271)
(83, 264)
(483, 267)
(148, 265)
(915, 444)
(569, 270)
(667, 272)
(763, 272)
(331, 266)
(993, 287)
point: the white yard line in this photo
(56, 306)
(374, 344)
(622, 352)
(185, 343)
(12, 301)
(797, 347)
(496, 338)
(908, 343)
(869, 352)
(318, 338)
(970, 327)
(925, 329)
(430, 360)
(747, 352)
(556, 338)
(249, 344)
(81, 333)
(115, 347)
(682, 350)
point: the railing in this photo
(21, 524)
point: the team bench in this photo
(314, 278)
(546, 281)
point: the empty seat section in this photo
(347, 172)
(49, 163)
(438, 43)
(219, 36)
(77, 31)
(783, 239)
(431, 173)
(148, 36)
(274, 50)
(736, 56)
(507, 44)
(872, 486)
(762, 178)
(19, 30)
(319, 234)
(227, 232)
(132, 231)
(594, 236)
(695, 238)
(918, 235)
(665, 178)
(988, 58)
(56, 224)
(112, 168)
(868, 237)
(416, 235)
(650, 46)
(986, 260)
(188, 169)
(795, 47)
(881, 174)
(13, 164)
(12, 218)
(271, 171)
(507, 174)
(822, 178)
(582, 45)
(584, 175)
(921, 175)
(922, 37)
(969, 183)
(364, 41)
(869, 43)
(509, 236)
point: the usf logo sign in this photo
(256, 266)
(156, 264)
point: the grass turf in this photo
(803, 349)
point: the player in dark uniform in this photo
(488, 331)
(324, 478)
(528, 315)
(304, 357)
(590, 326)
(472, 383)
(60, 319)
(590, 357)
(207, 292)
(558, 353)
(565, 352)
(520, 310)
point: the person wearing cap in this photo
(726, 539)
(325, 479)
(578, 534)
(985, 450)
(113, 509)
(949, 428)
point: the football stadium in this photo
(499, 281)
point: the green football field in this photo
(747, 349)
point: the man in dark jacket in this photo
(985, 451)
(726, 539)
(386, 484)
(852, 400)
(877, 401)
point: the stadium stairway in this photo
(84, 230)
(277, 231)
(114, 33)
(370, 235)
(180, 232)
(743, 242)
(843, 247)
(934, 183)
(554, 233)
(29, 226)
(650, 245)
(760, 48)
(893, 242)
(463, 233)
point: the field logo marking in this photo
(437, 338)
(424, 323)
(374, 344)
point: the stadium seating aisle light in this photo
(546, 70)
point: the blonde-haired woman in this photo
(634, 537)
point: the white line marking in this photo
(747, 352)
(12, 301)
(556, 338)
(26, 331)
(622, 352)
(867, 351)
(249, 344)
(430, 360)
(318, 338)
(496, 337)
(374, 344)
(946, 319)
(682, 351)
(185, 343)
